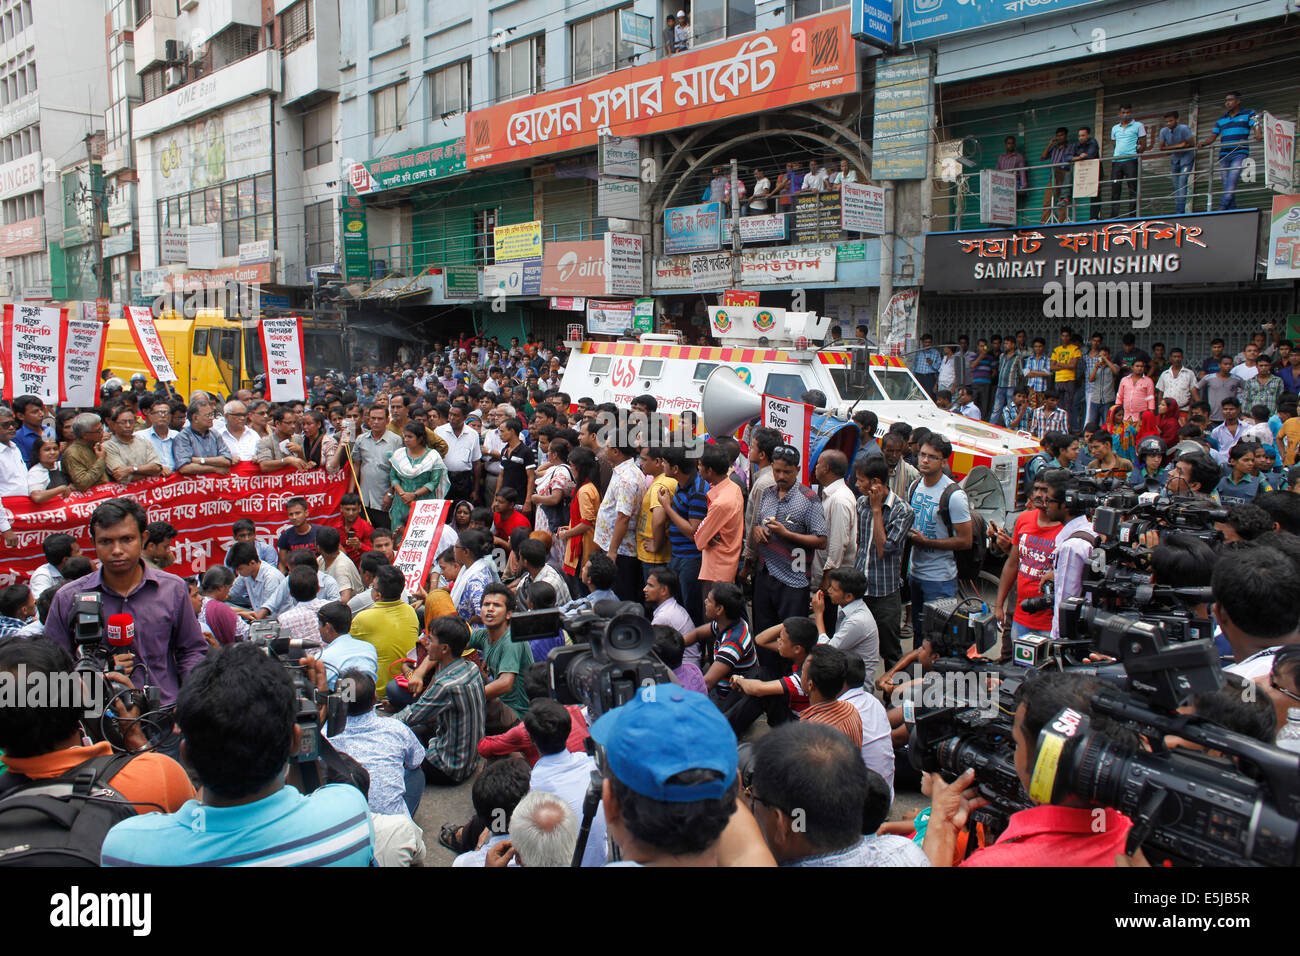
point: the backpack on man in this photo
(970, 561)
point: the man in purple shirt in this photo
(1014, 161)
(168, 641)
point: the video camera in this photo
(97, 640)
(1235, 802)
(265, 635)
(612, 656)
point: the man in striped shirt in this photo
(884, 519)
(824, 678)
(1233, 129)
(237, 711)
(452, 712)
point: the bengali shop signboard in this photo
(1213, 247)
(693, 228)
(1284, 238)
(788, 265)
(202, 508)
(812, 59)
(410, 168)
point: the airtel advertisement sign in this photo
(574, 268)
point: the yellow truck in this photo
(215, 353)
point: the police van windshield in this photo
(870, 393)
(899, 385)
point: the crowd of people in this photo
(768, 599)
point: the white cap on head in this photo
(681, 13)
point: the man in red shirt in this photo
(505, 517)
(354, 530)
(1070, 832)
(1033, 541)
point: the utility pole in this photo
(96, 227)
(735, 225)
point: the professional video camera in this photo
(1235, 802)
(265, 635)
(611, 657)
(98, 640)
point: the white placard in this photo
(83, 357)
(794, 421)
(610, 318)
(33, 345)
(1279, 153)
(998, 196)
(618, 198)
(423, 529)
(148, 343)
(623, 264)
(711, 270)
(282, 350)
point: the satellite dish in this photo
(985, 495)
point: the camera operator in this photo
(807, 788)
(1070, 833)
(670, 784)
(237, 712)
(1074, 543)
(1033, 541)
(1196, 474)
(44, 743)
(1255, 604)
(169, 641)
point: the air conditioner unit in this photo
(173, 77)
(196, 52)
(172, 51)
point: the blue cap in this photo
(662, 733)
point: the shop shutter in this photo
(443, 223)
(568, 210)
(1034, 122)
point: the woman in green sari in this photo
(418, 472)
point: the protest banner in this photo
(202, 508)
(423, 527)
(794, 421)
(83, 357)
(148, 343)
(285, 361)
(33, 344)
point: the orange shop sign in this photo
(259, 273)
(574, 268)
(805, 61)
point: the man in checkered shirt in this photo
(789, 525)
(1049, 418)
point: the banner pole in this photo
(357, 478)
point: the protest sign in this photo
(423, 528)
(148, 343)
(83, 357)
(282, 351)
(33, 346)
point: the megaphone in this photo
(726, 402)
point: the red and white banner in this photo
(285, 361)
(735, 297)
(33, 347)
(423, 528)
(83, 357)
(202, 508)
(794, 421)
(148, 342)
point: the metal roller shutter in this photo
(568, 209)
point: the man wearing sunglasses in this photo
(789, 526)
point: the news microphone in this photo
(120, 633)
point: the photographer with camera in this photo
(1069, 832)
(43, 747)
(237, 711)
(1195, 474)
(1255, 604)
(168, 640)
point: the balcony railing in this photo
(470, 249)
(1154, 186)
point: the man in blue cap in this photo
(670, 777)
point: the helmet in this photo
(1187, 447)
(1151, 445)
(138, 377)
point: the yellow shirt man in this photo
(1288, 440)
(650, 503)
(1063, 354)
(392, 627)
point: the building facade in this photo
(52, 101)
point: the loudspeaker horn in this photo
(726, 402)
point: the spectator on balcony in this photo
(1056, 152)
(758, 203)
(682, 36)
(1233, 130)
(718, 183)
(1177, 140)
(1085, 148)
(670, 35)
(789, 183)
(846, 174)
(1013, 160)
(816, 180)
(1130, 139)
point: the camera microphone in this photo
(120, 633)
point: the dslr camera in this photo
(265, 635)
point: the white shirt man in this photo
(1177, 386)
(462, 450)
(877, 748)
(567, 775)
(841, 549)
(13, 472)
